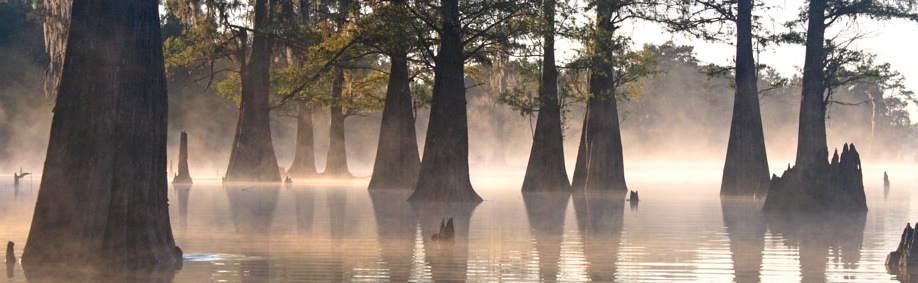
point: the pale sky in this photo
(895, 42)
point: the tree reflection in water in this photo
(545, 211)
(600, 218)
(818, 236)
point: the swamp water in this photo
(679, 232)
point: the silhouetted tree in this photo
(397, 157)
(820, 70)
(103, 195)
(546, 170)
(444, 173)
(252, 158)
(600, 164)
(746, 167)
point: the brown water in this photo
(680, 232)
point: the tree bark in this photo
(397, 159)
(252, 158)
(184, 176)
(444, 174)
(546, 170)
(600, 165)
(811, 136)
(304, 162)
(336, 158)
(746, 165)
(103, 195)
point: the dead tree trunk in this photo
(397, 158)
(252, 158)
(336, 158)
(746, 166)
(304, 162)
(600, 165)
(444, 174)
(183, 177)
(546, 170)
(103, 195)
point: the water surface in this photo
(680, 232)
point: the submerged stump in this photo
(835, 186)
(183, 176)
(903, 262)
(885, 184)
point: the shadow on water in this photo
(745, 224)
(181, 192)
(396, 225)
(545, 211)
(819, 237)
(252, 208)
(448, 259)
(600, 219)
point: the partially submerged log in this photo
(836, 186)
(183, 176)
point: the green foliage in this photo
(625, 68)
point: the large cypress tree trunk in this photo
(252, 158)
(444, 174)
(103, 195)
(546, 170)
(336, 158)
(600, 165)
(746, 166)
(397, 158)
(304, 161)
(811, 136)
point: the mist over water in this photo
(680, 232)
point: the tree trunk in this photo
(336, 158)
(397, 158)
(183, 177)
(546, 170)
(103, 195)
(600, 165)
(746, 166)
(55, 24)
(811, 137)
(252, 158)
(444, 174)
(304, 162)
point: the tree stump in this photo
(183, 176)
(904, 260)
(836, 186)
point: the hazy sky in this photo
(895, 42)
